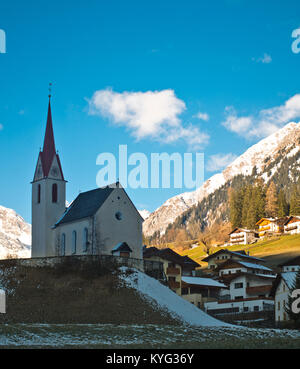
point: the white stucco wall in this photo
(281, 298)
(45, 214)
(67, 229)
(110, 231)
(239, 304)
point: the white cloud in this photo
(202, 116)
(234, 123)
(151, 114)
(265, 122)
(218, 162)
(266, 59)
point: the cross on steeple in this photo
(50, 89)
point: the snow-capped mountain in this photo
(266, 156)
(15, 235)
(144, 213)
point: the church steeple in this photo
(48, 195)
(48, 157)
(49, 151)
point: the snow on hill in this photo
(156, 293)
(15, 235)
(284, 141)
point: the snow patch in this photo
(151, 289)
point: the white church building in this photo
(103, 221)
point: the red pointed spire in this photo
(49, 144)
(49, 151)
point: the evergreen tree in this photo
(295, 201)
(246, 200)
(235, 208)
(288, 308)
(283, 206)
(271, 201)
(260, 199)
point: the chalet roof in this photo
(262, 219)
(240, 253)
(121, 247)
(209, 282)
(189, 262)
(279, 221)
(288, 277)
(242, 230)
(292, 217)
(291, 262)
(228, 278)
(254, 266)
(170, 255)
(243, 264)
(85, 205)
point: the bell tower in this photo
(48, 195)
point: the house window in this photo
(85, 240)
(238, 297)
(278, 305)
(184, 291)
(255, 308)
(74, 241)
(54, 193)
(246, 308)
(63, 245)
(39, 194)
(238, 285)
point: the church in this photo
(103, 221)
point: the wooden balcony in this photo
(258, 290)
(174, 284)
(173, 271)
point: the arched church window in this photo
(39, 194)
(74, 242)
(54, 192)
(85, 239)
(63, 245)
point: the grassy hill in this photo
(72, 292)
(274, 251)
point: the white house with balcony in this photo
(241, 236)
(249, 288)
(292, 225)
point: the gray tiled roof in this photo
(122, 246)
(85, 205)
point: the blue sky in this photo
(228, 59)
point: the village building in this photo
(103, 221)
(281, 289)
(249, 288)
(292, 265)
(270, 226)
(219, 257)
(283, 286)
(199, 290)
(292, 225)
(175, 265)
(241, 236)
